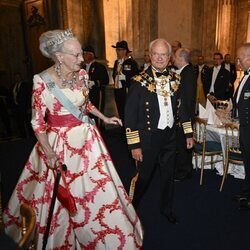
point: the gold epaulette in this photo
(132, 136)
(187, 127)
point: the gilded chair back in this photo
(203, 147)
(233, 153)
(27, 225)
(221, 104)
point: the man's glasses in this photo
(162, 55)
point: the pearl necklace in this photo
(64, 81)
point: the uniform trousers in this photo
(245, 149)
(184, 165)
(160, 153)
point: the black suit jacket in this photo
(233, 72)
(98, 73)
(223, 89)
(188, 91)
(142, 111)
(129, 69)
(23, 96)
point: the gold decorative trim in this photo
(132, 136)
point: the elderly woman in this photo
(104, 218)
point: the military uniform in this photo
(128, 69)
(242, 106)
(142, 121)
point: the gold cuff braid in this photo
(187, 127)
(132, 136)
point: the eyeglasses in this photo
(155, 54)
(78, 55)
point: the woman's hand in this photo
(51, 159)
(113, 120)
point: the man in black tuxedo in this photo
(124, 69)
(184, 165)
(150, 114)
(98, 76)
(217, 81)
(21, 96)
(241, 102)
(230, 67)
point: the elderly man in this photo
(150, 113)
(241, 102)
(184, 166)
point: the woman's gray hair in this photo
(52, 41)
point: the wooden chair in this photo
(233, 154)
(203, 147)
(27, 225)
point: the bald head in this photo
(181, 57)
(243, 56)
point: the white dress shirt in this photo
(166, 112)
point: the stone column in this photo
(209, 29)
(226, 26)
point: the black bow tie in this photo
(159, 74)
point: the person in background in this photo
(241, 102)
(124, 69)
(200, 72)
(184, 165)
(5, 106)
(175, 45)
(21, 105)
(150, 112)
(98, 77)
(104, 217)
(147, 61)
(230, 67)
(217, 81)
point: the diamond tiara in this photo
(61, 37)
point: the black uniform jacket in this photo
(203, 72)
(223, 89)
(188, 91)
(142, 111)
(98, 73)
(243, 106)
(129, 69)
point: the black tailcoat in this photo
(223, 89)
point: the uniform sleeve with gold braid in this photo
(132, 136)
(187, 127)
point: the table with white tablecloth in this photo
(218, 133)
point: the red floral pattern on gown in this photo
(105, 218)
